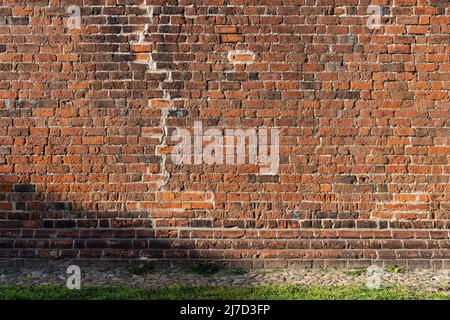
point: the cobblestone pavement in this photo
(429, 280)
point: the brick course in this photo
(364, 118)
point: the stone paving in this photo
(429, 280)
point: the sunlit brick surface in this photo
(86, 117)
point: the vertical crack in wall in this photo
(145, 55)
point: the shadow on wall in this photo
(34, 226)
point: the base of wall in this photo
(438, 264)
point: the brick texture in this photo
(364, 119)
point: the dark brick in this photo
(60, 206)
(178, 113)
(65, 223)
(18, 20)
(24, 188)
(48, 224)
(252, 76)
(21, 206)
(200, 223)
(346, 179)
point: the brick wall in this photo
(88, 113)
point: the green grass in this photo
(394, 269)
(355, 272)
(283, 292)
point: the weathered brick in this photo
(86, 118)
